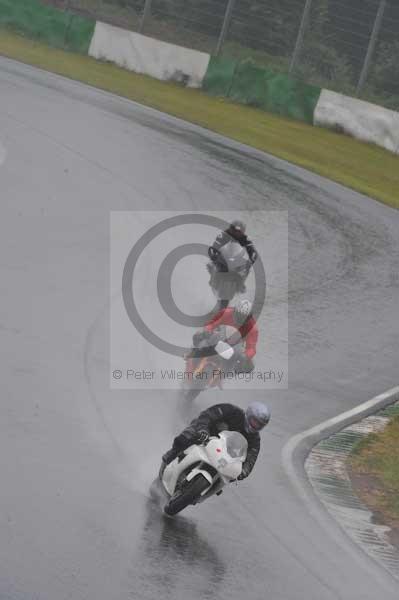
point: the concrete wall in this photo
(362, 120)
(149, 56)
(242, 82)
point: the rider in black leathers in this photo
(222, 417)
(236, 232)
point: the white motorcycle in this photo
(202, 470)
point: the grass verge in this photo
(363, 167)
(374, 466)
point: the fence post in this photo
(371, 46)
(301, 35)
(146, 14)
(225, 27)
(68, 27)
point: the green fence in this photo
(57, 28)
(250, 84)
(242, 81)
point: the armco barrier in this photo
(146, 55)
(362, 120)
(54, 27)
(250, 84)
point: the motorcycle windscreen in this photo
(236, 444)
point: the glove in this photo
(199, 336)
(253, 257)
(244, 473)
(243, 364)
(212, 252)
(201, 437)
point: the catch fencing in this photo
(350, 46)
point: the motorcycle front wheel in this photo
(189, 495)
(190, 394)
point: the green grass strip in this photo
(363, 167)
(377, 456)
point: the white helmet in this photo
(242, 311)
(257, 416)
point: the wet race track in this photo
(77, 459)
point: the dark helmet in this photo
(238, 226)
(242, 311)
(257, 417)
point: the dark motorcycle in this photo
(229, 271)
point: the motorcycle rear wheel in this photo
(188, 496)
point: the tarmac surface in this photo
(77, 459)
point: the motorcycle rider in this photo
(240, 317)
(235, 231)
(221, 417)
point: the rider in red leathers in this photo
(239, 317)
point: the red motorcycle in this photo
(206, 364)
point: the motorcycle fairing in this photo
(217, 453)
(193, 454)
